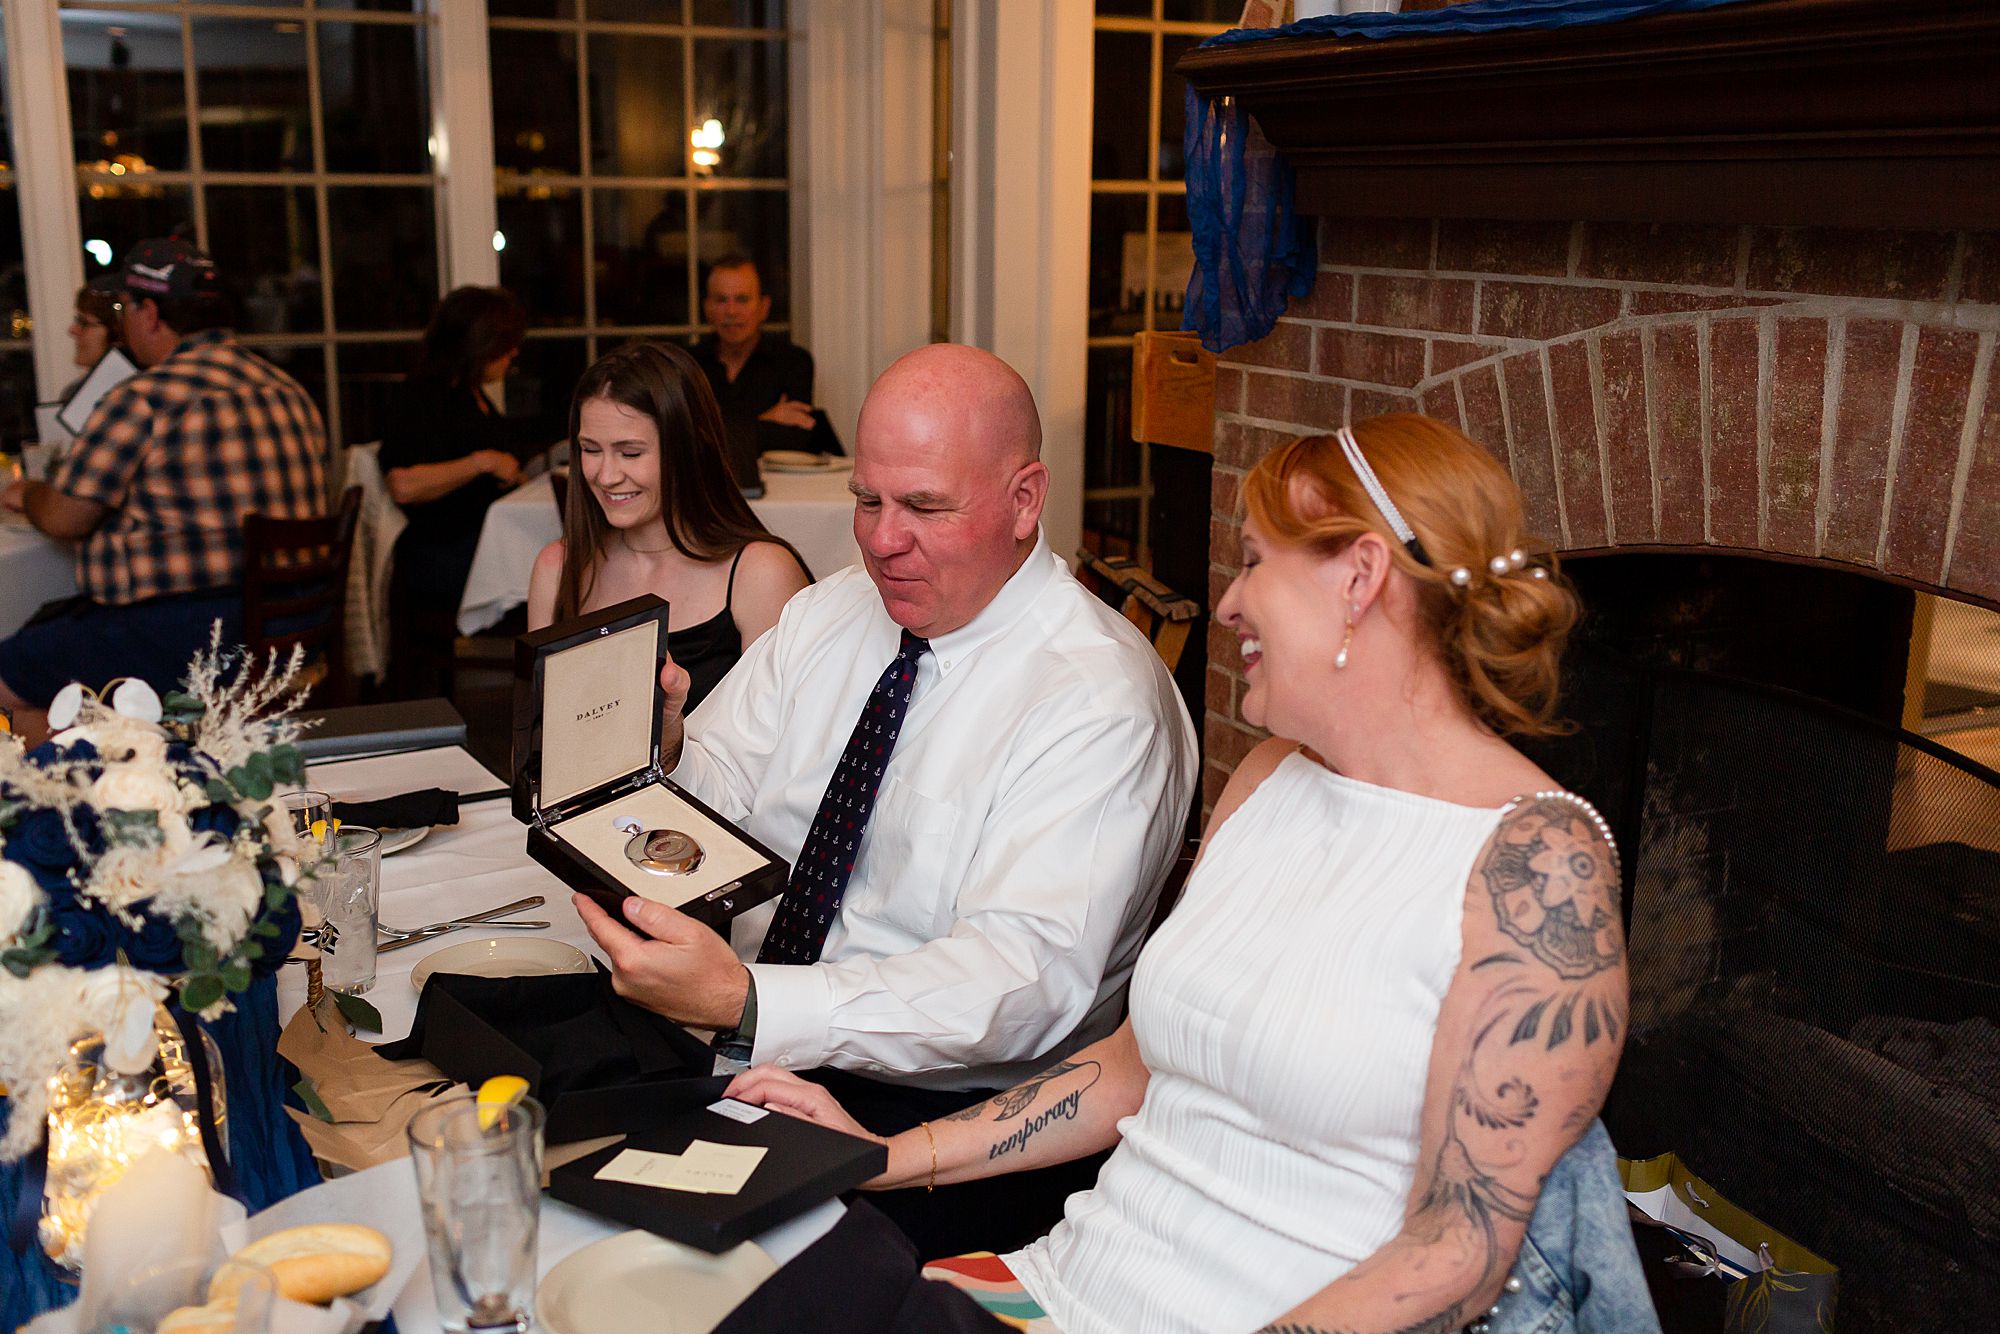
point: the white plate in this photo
(395, 840)
(502, 956)
(798, 460)
(636, 1280)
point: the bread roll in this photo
(215, 1318)
(315, 1263)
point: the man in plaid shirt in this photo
(156, 487)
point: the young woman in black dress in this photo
(652, 509)
(447, 454)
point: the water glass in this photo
(348, 893)
(309, 809)
(481, 1192)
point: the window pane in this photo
(126, 98)
(368, 375)
(385, 272)
(17, 399)
(545, 374)
(378, 6)
(532, 9)
(741, 86)
(1225, 12)
(542, 259)
(1173, 262)
(1173, 107)
(730, 13)
(534, 108)
(250, 92)
(756, 223)
(375, 97)
(1129, 9)
(266, 238)
(1111, 527)
(637, 120)
(1110, 458)
(1124, 82)
(641, 258)
(1117, 264)
(115, 217)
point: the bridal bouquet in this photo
(141, 858)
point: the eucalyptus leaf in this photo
(236, 975)
(287, 765)
(9, 810)
(200, 990)
(137, 828)
(218, 792)
(199, 955)
(313, 1102)
(259, 765)
(358, 1012)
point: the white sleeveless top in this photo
(1286, 1011)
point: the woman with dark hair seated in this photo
(656, 511)
(447, 454)
(97, 325)
(1391, 1000)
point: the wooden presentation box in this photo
(588, 783)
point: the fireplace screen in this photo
(1814, 911)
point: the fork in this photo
(399, 938)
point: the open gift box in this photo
(599, 1064)
(588, 781)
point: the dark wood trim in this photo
(1870, 113)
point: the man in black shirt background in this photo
(763, 381)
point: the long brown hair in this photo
(703, 514)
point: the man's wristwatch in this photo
(739, 1042)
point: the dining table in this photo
(34, 568)
(814, 511)
(479, 863)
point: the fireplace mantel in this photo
(1860, 113)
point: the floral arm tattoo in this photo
(1543, 1008)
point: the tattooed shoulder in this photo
(1554, 888)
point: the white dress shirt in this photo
(1033, 804)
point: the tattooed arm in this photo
(1528, 1039)
(1065, 1112)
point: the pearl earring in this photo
(1346, 640)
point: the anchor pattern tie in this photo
(819, 877)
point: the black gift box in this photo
(598, 1064)
(587, 770)
(804, 1165)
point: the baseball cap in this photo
(167, 266)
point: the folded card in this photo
(703, 1168)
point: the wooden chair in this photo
(295, 591)
(1162, 615)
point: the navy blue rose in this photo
(40, 842)
(50, 752)
(85, 937)
(155, 946)
(221, 820)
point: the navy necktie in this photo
(819, 877)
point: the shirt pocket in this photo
(903, 880)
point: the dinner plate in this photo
(502, 956)
(636, 1280)
(798, 460)
(395, 840)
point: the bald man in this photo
(979, 772)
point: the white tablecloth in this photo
(812, 511)
(34, 568)
(481, 862)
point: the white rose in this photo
(136, 787)
(19, 896)
(119, 1002)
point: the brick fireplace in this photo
(1822, 395)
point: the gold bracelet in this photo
(931, 1185)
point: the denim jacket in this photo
(1578, 1272)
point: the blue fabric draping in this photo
(1252, 253)
(269, 1154)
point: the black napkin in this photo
(570, 1035)
(411, 810)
